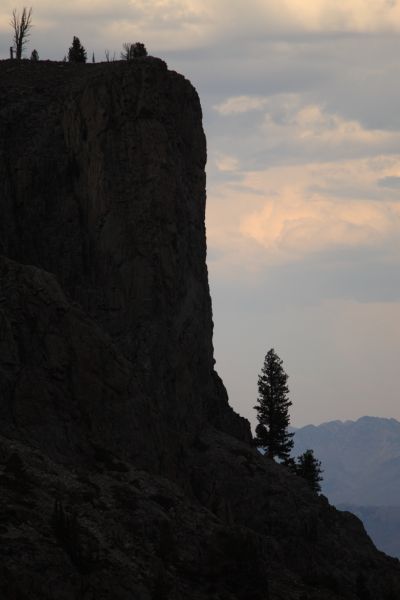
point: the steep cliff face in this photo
(124, 471)
(103, 185)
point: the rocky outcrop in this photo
(124, 471)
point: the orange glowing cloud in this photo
(285, 213)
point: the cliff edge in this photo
(124, 471)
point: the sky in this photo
(301, 111)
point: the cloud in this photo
(359, 15)
(227, 163)
(310, 182)
(390, 181)
(240, 104)
(286, 220)
(311, 123)
(298, 223)
(162, 24)
(185, 24)
(295, 127)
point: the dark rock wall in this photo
(64, 387)
(102, 184)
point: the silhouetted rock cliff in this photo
(124, 472)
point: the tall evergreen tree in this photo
(310, 468)
(77, 52)
(273, 409)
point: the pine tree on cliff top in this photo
(273, 409)
(77, 52)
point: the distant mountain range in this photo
(382, 524)
(361, 463)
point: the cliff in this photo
(125, 473)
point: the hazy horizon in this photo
(345, 421)
(301, 115)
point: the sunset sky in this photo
(301, 111)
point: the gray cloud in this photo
(392, 182)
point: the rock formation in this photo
(124, 472)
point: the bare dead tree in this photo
(21, 25)
(127, 52)
(108, 57)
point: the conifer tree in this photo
(77, 52)
(139, 50)
(273, 406)
(34, 56)
(131, 51)
(309, 468)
